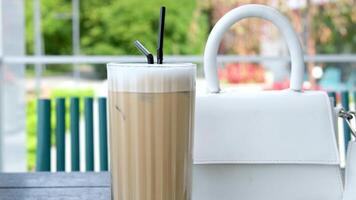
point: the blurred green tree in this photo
(109, 27)
(56, 27)
(333, 26)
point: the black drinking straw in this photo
(144, 51)
(161, 35)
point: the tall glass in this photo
(151, 112)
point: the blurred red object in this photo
(222, 74)
(280, 85)
(285, 85)
(242, 73)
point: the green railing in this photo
(43, 154)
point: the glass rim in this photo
(155, 65)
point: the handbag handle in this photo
(246, 11)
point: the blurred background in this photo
(59, 48)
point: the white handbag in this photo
(350, 176)
(271, 145)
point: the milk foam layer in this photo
(151, 78)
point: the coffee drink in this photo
(151, 123)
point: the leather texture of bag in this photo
(270, 145)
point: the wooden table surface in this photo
(55, 186)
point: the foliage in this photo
(31, 121)
(109, 27)
(56, 26)
(31, 118)
(334, 27)
(330, 28)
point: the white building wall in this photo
(12, 93)
(1, 86)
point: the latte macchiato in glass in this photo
(151, 112)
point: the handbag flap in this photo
(265, 127)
